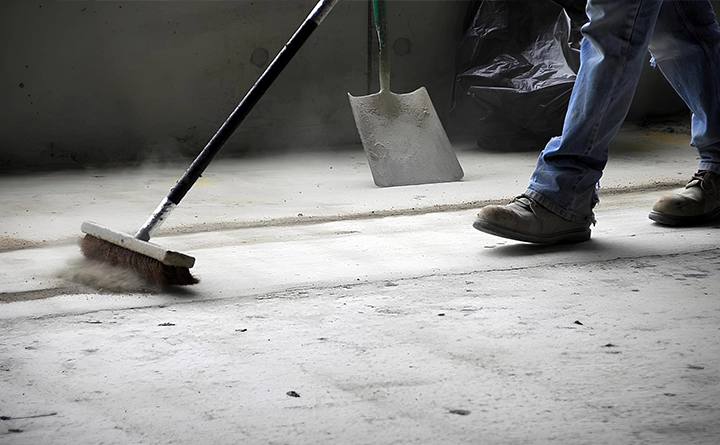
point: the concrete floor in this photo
(334, 312)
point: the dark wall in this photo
(119, 82)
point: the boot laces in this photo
(525, 202)
(701, 179)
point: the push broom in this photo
(151, 261)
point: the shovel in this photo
(402, 135)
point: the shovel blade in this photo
(403, 139)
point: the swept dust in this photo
(105, 277)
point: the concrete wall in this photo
(118, 82)
(114, 82)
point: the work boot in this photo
(524, 219)
(699, 203)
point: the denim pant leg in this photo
(686, 47)
(611, 56)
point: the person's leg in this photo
(686, 47)
(612, 56)
(569, 168)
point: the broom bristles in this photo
(149, 268)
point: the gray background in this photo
(122, 82)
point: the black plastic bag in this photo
(516, 67)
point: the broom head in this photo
(152, 262)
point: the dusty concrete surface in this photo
(342, 326)
(408, 329)
(47, 208)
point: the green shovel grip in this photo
(379, 8)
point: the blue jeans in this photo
(684, 40)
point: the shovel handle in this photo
(193, 173)
(379, 12)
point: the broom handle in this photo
(193, 173)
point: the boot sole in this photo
(567, 237)
(684, 221)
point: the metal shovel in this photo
(402, 135)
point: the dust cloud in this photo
(104, 277)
